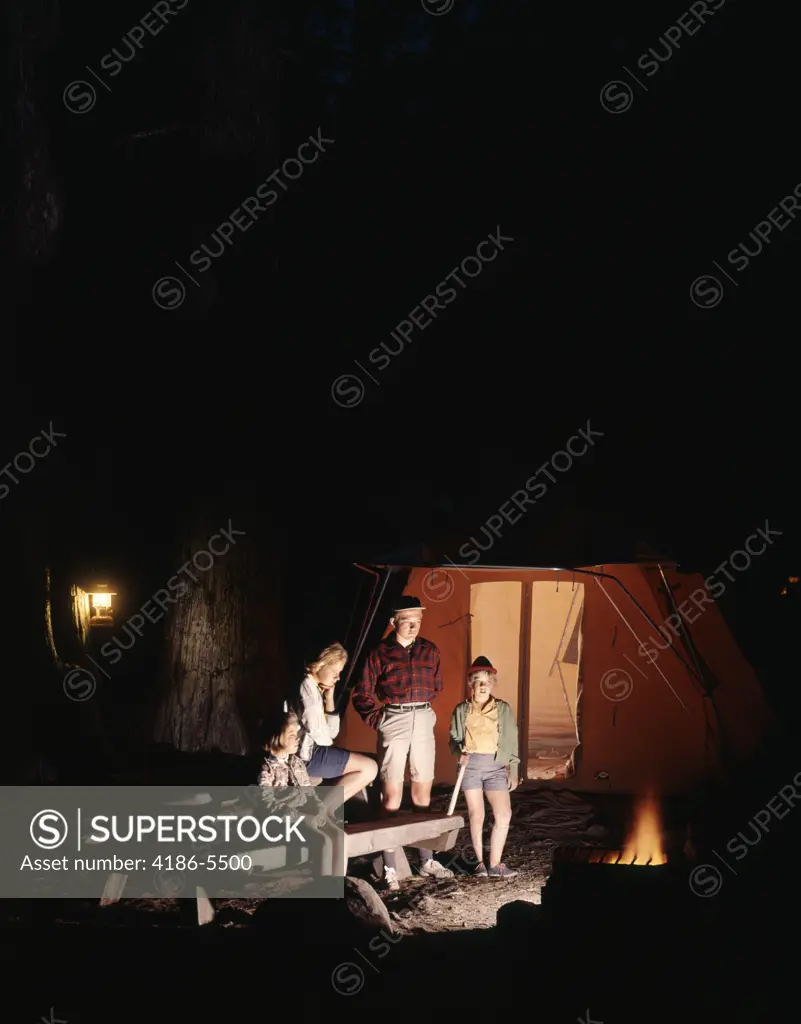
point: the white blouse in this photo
(317, 728)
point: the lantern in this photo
(101, 611)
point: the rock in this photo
(366, 906)
(518, 916)
(362, 910)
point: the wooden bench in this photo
(271, 858)
(418, 830)
(362, 838)
(115, 883)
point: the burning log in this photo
(644, 845)
(644, 882)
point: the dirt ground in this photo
(465, 902)
(540, 822)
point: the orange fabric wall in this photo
(633, 726)
(644, 739)
(745, 716)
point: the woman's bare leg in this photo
(359, 772)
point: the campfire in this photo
(646, 881)
(644, 844)
(643, 847)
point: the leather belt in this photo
(409, 707)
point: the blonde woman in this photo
(319, 727)
(484, 736)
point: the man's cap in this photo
(405, 603)
(482, 664)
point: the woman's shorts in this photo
(484, 772)
(327, 762)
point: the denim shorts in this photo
(484, 772)
(327, 762)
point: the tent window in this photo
(555, 634)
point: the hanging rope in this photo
(564, 630)
(467, 615)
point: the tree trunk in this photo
(223, 658)
(33, 26)
(31, 661)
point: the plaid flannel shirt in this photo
(394, 674)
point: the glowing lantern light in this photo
(101, 606)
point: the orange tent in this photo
(622, 677)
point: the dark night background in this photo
(445, 128)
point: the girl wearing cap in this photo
(484, 736)
(319, 726)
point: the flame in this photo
(644, 844)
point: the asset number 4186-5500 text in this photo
(211, 862)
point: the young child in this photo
(282, 765)
(484, 736)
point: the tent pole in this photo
(639, 642)
(708, 692)
(373, 572)
(646, 616)
(524, 683)
(685, 629)
(348, 631)
(365, 632)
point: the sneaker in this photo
(391, 882)
(434, 869)
(480, 870)
(501, 871)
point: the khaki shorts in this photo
(403, 734)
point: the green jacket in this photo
(508, 743)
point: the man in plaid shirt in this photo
(400, 679)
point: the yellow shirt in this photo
(481, 728)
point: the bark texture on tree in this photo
(68, 616)
(79, 621)
(221, 646)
